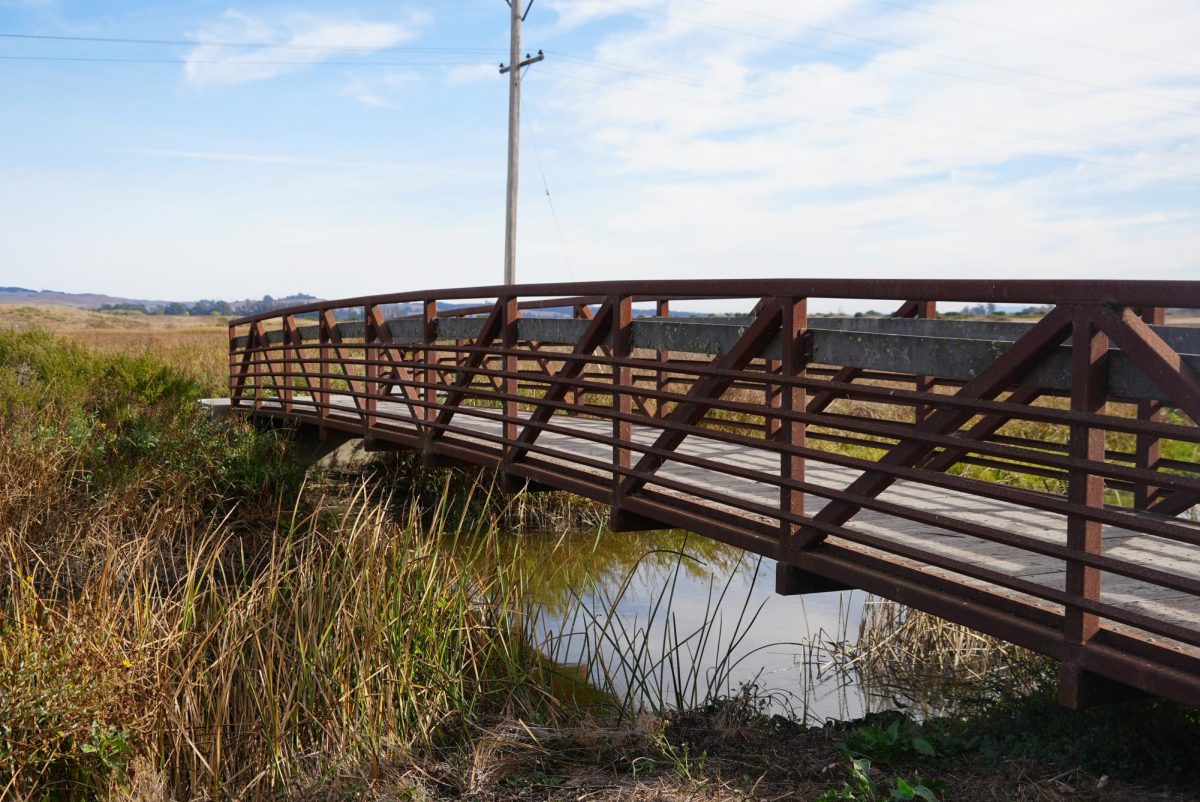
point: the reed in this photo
(228, 671)
(935, 665)
(178, 612)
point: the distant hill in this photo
(76, 300)
(99, 301)
(207, 306)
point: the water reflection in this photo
(674, 619)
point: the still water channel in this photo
(674, 619)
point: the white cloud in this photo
(742, 143)
(287, 45)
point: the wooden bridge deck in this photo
(1123, 592)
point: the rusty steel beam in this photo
(1185, 294)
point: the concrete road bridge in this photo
(1035, 479)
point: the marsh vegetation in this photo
(186, 613)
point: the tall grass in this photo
(228, 671)
(176, 610)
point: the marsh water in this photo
(671, 619)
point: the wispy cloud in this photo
(380, 92)
(908, 144)
(287, 45)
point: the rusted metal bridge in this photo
(1036, 480)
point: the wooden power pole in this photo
(515, 65)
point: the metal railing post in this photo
(260, 342)
(370, 368)
(289, 350)
(662, 308)
(1148, 447)
(576, 394)
(622, 375)
(793, 341)
(1089, 387)
(325, 324)
(429, 358)
(773, 390)
(510, 384)
(235, 387)
(924, 310)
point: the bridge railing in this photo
(859, 450)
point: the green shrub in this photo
(134, 421)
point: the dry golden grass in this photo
(65, 318)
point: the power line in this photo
(926, 140)
(870, 59)
(767, 95)
(961, 59)
(673, 77)
(258, 62)
(273, 45)
(546, 186)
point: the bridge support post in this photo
(787, 431)
(621, 519)
(622, 429)
(1079, 688)
(662, 308)
(1089, 384)
(261, 364)
(510, 384)
(791, 580)
(514, 483)
(291, 348)
(1148, 446)
(326, 323)
(429, 375)
(923, 310)
(370, 369)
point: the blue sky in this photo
(358, 147)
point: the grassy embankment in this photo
(180, 617)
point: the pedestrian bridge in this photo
(1034, 480)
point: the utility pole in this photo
(515, 64)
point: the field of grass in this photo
(185, 613)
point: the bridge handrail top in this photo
(1149, 293)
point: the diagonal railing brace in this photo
(1017, 360)
(593, 337)
(704, 392)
